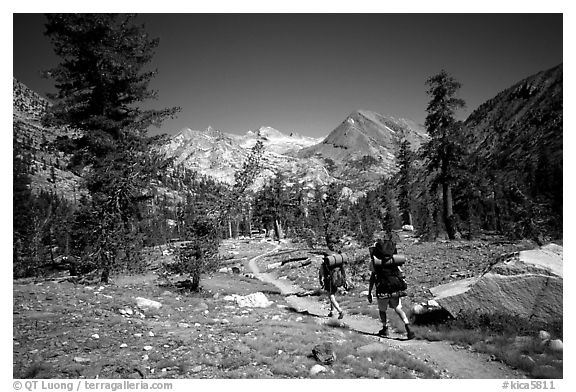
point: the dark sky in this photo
(307, 72)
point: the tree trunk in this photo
(229, 229)
(277, 229)
(449, 218)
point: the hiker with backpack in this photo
(388, 278)
(331, 276)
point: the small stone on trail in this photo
(147, 348)
(137, 335)
(81, 360)
(144, 303)
(145, 357)
(196, 369)
(95, 336)
(123, 345)
(314, 370)
(151, 334)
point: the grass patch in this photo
(508, 338)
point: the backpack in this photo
(385, 249)
(337, 277)
(331, 278)
(389, 277)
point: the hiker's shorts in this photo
(384, 303)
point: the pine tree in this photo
(101, 80)
(404, 181)
(443, 151)
(102, 77)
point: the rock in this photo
(544, 335)
(408, 228)
(428, 313)
(95, 336)
(123, 345)
(324, 353)
(145, 304)
(418, 309)
(371, 348)
(556, 346)
(81, 360)
(183, 325)
(151, 334)
(433, 304)
(274, 265)
(196, 369)
(528, 284)
(147, 348)
(374, 373)
(314, 370)
(254, 300)
(364, 293)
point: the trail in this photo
(450, 361)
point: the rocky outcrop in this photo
(27, 101)
(528, 284)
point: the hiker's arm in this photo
(370, 285)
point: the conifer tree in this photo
(404, 182)
(444, 149)
(101, 80)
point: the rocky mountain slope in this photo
(516, 139)
(526, 119)
(220, 155)
(32, 142)
(357, 153)
(364, 146)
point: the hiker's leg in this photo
(397, 306)
(330, 314)
(334, 303)
(400, 312)
(382, 306)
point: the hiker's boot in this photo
(383, 332)
(341, 316)
(409, 332)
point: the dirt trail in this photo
(449, 360)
